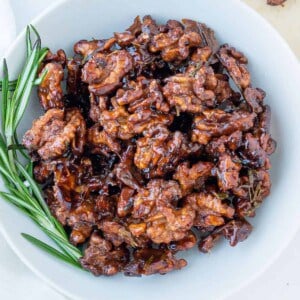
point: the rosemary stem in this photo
(11, 156)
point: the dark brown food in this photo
(152, 149)
(275, 2)
(152, 261)
(53, 133)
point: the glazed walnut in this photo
(56, 131)
(103, 72)
(152, 261)
(160, 151)
(101, 258)
(192, 177)
(235, 63)
(50, 90)
(156, 204)
(215, 122)
(121, 124)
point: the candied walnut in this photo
(136, 27)
(115, 122)
(210, 87)
(164, 222)
(142, 93)
(125, 202)
(208, 243)
(253, 154)
(133, 92)
(207, 220)
(201, 55)
(143, 119)
(149, 26)
(74, 75)
(126, 172)
(254, 98)
(43, 171)
(188, 242)
(153, 261)
(73, 181)
(105, 207)
(101, 142)
(161, 41)
(264, 120)
(80, 232)
(119, 123)
(207, 201)
(124, 38)
(175, 43)
(52, 133)
(98, 105)
(262, 132)
(235, 63)
(251, 192)
(138, 229)
(192, 177)
(219, 145)
(228, 172)
(104, 72)
(275, 2)
(58, 57)
(81, 219)
(210, 209)
(235, 231)
(204, 85)
(170, 224)
(72, 184)
(206, 33)
(160, 151)
(116, 233)
(65, 182)
(223, 91)
(196, 88)
(267, 143)
(49, 90)
(179, 93)
(58, 207)
(215, 122)
(86, 48)
(101, 258)
(157, 193)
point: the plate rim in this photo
(273, 258)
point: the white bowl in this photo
(274, 68)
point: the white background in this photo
(280, 281)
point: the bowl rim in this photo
(276, 254)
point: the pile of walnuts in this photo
(159, 143)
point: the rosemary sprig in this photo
(11, 85)
(15, 165)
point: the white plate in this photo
(274, 68)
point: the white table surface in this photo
(280, 281)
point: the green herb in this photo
(254, 192)
(222, 196)
(15, 165)
(11, 85)
(198, 66)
